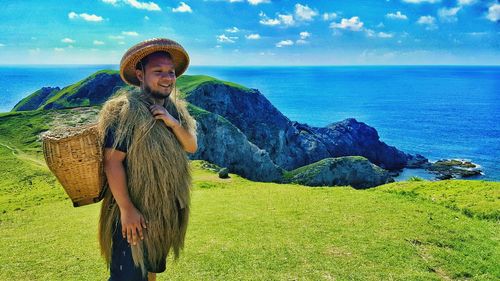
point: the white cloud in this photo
(68, 40)
(224, 39)
(304, 12)
(116, 37)
(494, 12)
(286, 19)
(233, 29)
(429, 21)
(426, 20)
(255, 36)
(59, 49)
(466, 2)
(85, 16)
(151, 6)
(421, 1)
(380, 25)
(112, 2)
(329, 16)
(270, 22)
(130, 33)
(304, 35)
(384, 35)
(282, 19)
(353, 24)
(448, 15)
(183, 8)
(398, 16)
(146, 17)
(97, 42)
(92, 17)
(372, 33)
(2, 45)
(284, 43)
(256, 2)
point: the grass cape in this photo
(158, 175)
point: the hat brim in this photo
(136, 53)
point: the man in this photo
(145, 209)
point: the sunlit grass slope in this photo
(244, 230)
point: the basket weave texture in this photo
(75, 157)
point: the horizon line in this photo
(256, 65)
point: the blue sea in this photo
(437, 111)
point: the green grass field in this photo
(244, 230)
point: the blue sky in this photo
(255, 32)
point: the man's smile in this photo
(165, 86)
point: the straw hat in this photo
(144, 48)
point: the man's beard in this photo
(155, 94)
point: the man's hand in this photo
(159, 112)
(186, 139)
(132, 224)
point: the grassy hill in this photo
(244, 230)
(187, 83)
(98, 87)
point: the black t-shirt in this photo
(110, 139)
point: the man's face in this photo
(160, 77)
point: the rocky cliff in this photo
(291, 144)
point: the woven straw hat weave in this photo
(144, 48)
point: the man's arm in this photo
(131, 219)
(187, 140)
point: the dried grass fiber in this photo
(158, 175)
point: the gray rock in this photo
(210, 166)
(224, 173)
(221, 143)
(454, 168)
(355, 171)
(417, 161)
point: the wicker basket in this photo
(75, 156)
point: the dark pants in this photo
(122, 266)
